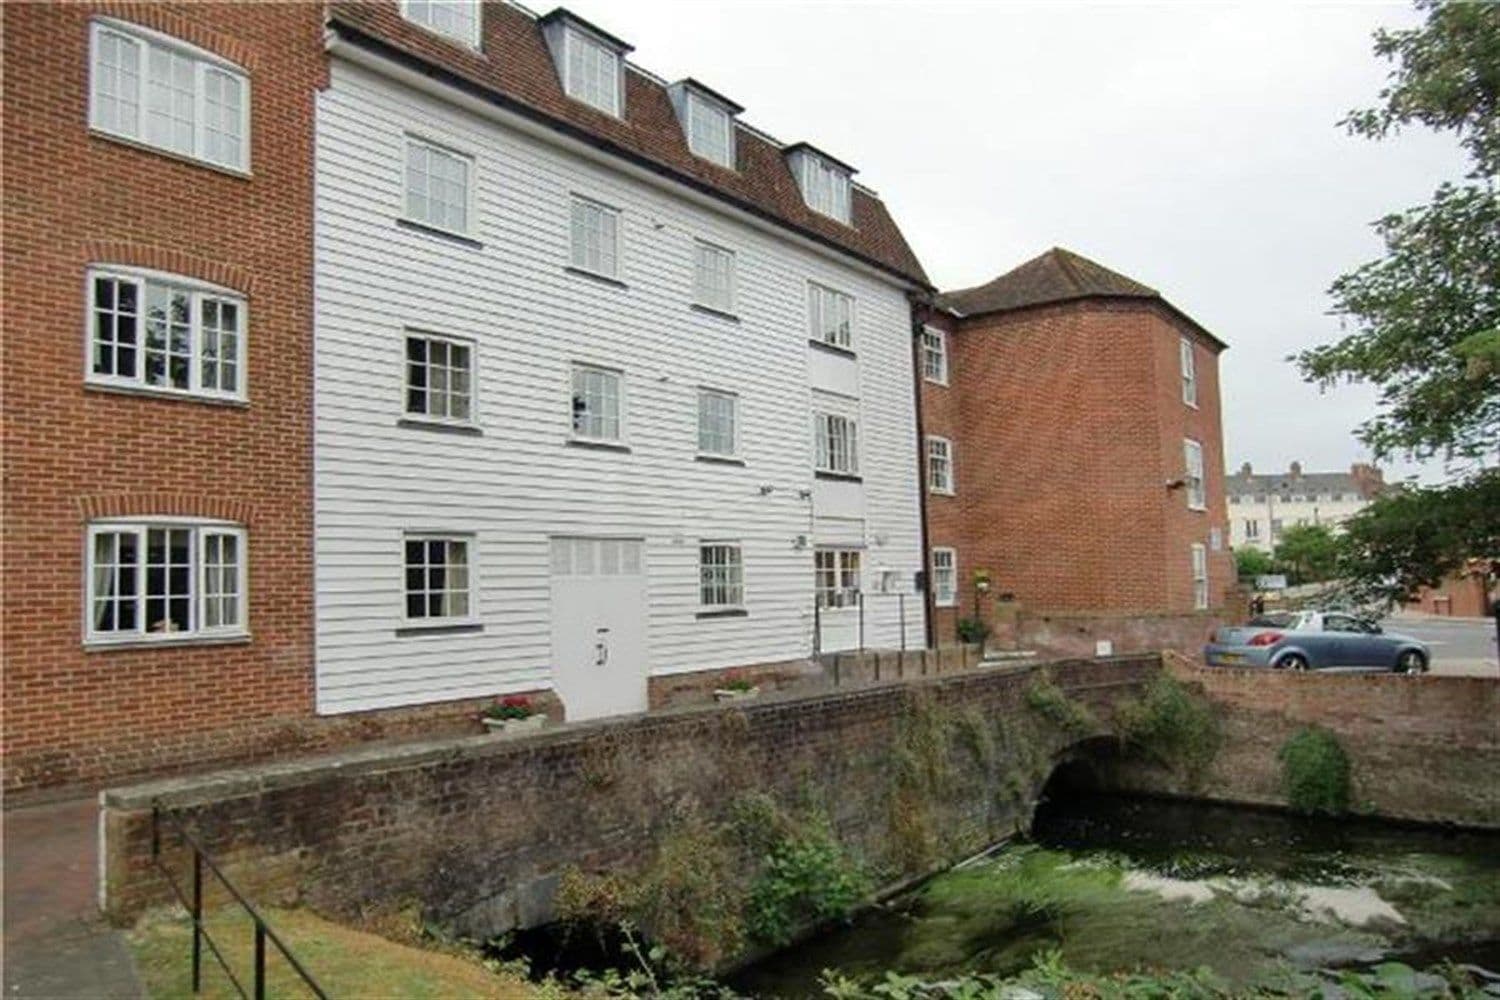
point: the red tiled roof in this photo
(516, 70)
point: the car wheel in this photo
(1292, 661)
(1411, 663)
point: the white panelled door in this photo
(598, 626)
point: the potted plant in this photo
(512, 714)
(736, 687)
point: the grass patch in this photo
(1315, 772)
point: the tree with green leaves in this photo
(1252, 563)
(1308, 553)
(1424, 319)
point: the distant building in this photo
(1263, 505)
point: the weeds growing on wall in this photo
(1171, 726)
(1046, 699)
(807, 878)
(1315, 771)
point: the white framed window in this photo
(836, 443)
(1192, 461)
(830, 316)
(439, 186)
(710, 130)
(713, 276)
(721, 575)
(592, 73)
(836, 577)
(597, 404)
(934, 355)
(1200, 576)
(1252, 527)
(825, 188)
(595, 237)
(439, 575)
(718, 423)
(165, 333)
(439, 378)
(455, 19)
(944, 577)
(153, 89)
(159, 579)
(939, 464)
(1189, 372)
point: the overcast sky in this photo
(1192, 147)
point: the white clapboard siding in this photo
(518, 482)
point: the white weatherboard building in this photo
(572, 428)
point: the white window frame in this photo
(580, 208)
(935, 345)
(201, 528)
(703, 251)
(1192, 476)
(204, 62)
(471, 563)
(945, 596)
(826, 188)
(619, 377)
(1252, 528)
(471, 185)
(825, 322)
(469, 38)
(1189, 364)
(1198, 552)
(733, 399)
(847, 565)
(835, 434)
(575, 37)
(733, 582)
(410, 333)
(697, 104)
(939, 460)
(198, 292)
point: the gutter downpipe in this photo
(921, 308)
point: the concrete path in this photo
(56, 945)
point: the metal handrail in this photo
(194, 906)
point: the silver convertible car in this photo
(1316, 640)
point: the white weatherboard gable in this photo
(517, 483)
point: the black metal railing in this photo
(193, 902)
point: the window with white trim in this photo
(836, 443)
(944, 577)
(596, 403)
(718, 423)
(592, 73)
(1200, 576)
(721, 575)
(939, 464)
(455, 19)
(1192, 460)
(155, 90)
(439, 576)
(165, 333)
(825, 188)
(836, 577)
(934, 355)
(439, 378)
(595, 237)
(1252, 527)
(830, 316)
(439, 186)
(151, 581)
(710, 130)
(1189, 372)
(713, 276)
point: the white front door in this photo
(837, 580)
(598, 626)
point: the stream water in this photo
(1119, 883)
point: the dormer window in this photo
(707, 121)
(824, 181)
(591, 62)
(454, 19)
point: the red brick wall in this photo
(1462, 595)
(71, 199)
(940, 416)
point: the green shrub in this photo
(1171, 726)
(1315, 771)
(807, 879)
(972, 630)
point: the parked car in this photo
(1316, 640)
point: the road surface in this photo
(1460, 646)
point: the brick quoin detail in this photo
(166, 505)
(171, 260)
(159, 17)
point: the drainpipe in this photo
(921, 308)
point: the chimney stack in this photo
(1245, 470)
(1296, 469)
(1369, 479)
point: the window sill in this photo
(935, 381)
(603, 279)
(440, 426)
(944, 604)
(156, 393)
(940, 493)
(728, 317)
(723, 613)
(599, 445)
(192, 161)
(719, 459)
(839, 477)
(823, 345)
(447, 234)
(166, 639)
(439, 627)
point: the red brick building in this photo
(1073, 449)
